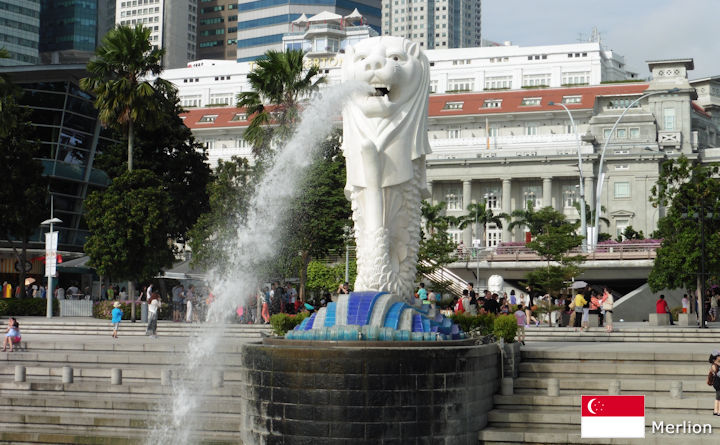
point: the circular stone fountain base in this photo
(360, 393)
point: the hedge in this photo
(282, 323)
(103, 310)
(26, 307)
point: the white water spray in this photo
(256, 241)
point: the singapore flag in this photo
(613, 416)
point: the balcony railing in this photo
(635, 251)
(507, 146)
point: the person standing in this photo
(661, 307)
(177, 291)
(579, 303)
(685, 303)
(715, 376)
(60, 293)
(520, 316)
(422, 294)
(153, 310)
(110, 293)
(608, 302)
(189, 303)
(117, 314)
(344, 288)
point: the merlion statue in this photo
(385, 143)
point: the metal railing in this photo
(634, 251)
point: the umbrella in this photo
(578, 284)
(29, 281)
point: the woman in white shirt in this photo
(153, 309)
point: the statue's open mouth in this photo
(381, 91)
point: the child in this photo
(521, 321)
(117, 314)
(12, 337)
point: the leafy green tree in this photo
(590, 214)
(278, 84)
(315, 220)
(553, 242)
(128, 223)
(433, 216)
(116, 74)
(691, 191)
(229, 196)
(630, 233)
(23, 197)
(479, 214)
(164, 145)
(321, 276)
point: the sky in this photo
(639, 30)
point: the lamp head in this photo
(551, 103)
(47, 222)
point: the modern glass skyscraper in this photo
(435, 24)
(262, 23)
(68, 30)
(19, 31)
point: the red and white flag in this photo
(612, 416)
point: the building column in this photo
(430, 192)
(547, 191)
(467, 193)
(590, 191)
(506, 203)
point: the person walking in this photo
(153, 313)
(117, 314)
(521, 322)
(714, 379)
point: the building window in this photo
(453, 106)
(460, 85)
(492, 103)
(530, 101)
(621, 133)
(493, 131)
(239, 117)
(669, 118)
(576, 78)
(620, 226)
(622, 190)
(571, 99)
(498, 82)
(433, 86)
(453, 200)
(453, 133)
(221, 99)
(607, 133)
(634, 133)
(621, 104)
(208, 118)
(536, 80)
(531, 129)
(569, 196)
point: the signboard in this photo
(51, 242)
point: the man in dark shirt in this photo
(492, 305)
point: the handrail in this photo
(632, 251)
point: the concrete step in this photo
(505, 435)
(668, 369)
(572, 383)
(558, 416)
(605, 356)
(695, 405)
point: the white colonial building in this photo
(496, 138)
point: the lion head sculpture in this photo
(393, 114)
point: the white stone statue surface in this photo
(385, 143)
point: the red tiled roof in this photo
(472, 103)
(223, 119)
(699, 109)
(511, 100)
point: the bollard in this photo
(19, 373)
(614, 387)
(506, 387)
(67, 374)
(676, 390)
(166, 377)
(553, 388)
(116, 376)
(217, 379)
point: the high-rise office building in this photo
(434, 23)
(173, 26)
(68, 30)
(217, 30)
(262, 23)
(20, 31)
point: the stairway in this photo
(626, 332)
(44, 410)
(531, 416)
(442, 274)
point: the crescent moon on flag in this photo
(590, 406)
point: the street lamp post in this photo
(51, 241)
(583, 217)
(601, 175)
(347, 233)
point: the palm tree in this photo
(116, 74)
(122, 97)
(279, 83)
(590, 214)
(536, 221)
(479, 214)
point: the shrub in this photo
(103, 310)
(481, 324)
(505, 327)
(26, 307)
(282, 323)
